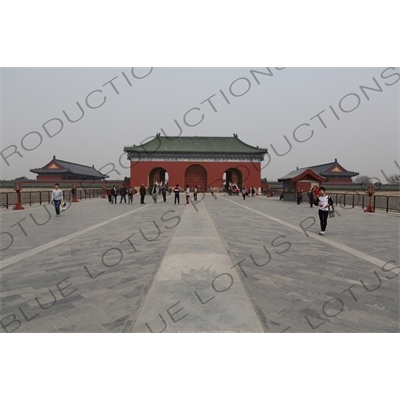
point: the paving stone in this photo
(127, 284)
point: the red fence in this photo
(8, 199)
(349, 200)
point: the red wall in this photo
(52, 178)
(176, 171)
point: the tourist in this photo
(195, 193)
(109, 195)
(122, 193)
(154, 192)
(164, 192)
(177, 191)
(114, 194)
(142, 192)
(299, 195)
(244, 193)
(130, 195)
(253, 192)
(311, 197)
(56, 198)
(324, 202)
(316, 191)
(187, 194)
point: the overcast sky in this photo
(364, 138)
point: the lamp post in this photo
(103, 196)
(370, 192)
(18, 205)
(74, 199)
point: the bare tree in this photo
(394, 179)
(362, 179)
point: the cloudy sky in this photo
(334, 115)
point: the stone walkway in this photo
(219, 265)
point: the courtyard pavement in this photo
(220, 264)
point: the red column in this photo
(18, 205)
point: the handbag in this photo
(332, 213)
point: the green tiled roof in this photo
(195, 144)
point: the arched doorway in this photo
(196, 175)
(158, 175)
(233, 176)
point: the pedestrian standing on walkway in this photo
(56, 198)
(177, 190)
(311, 197)
(187, 194)
(253, 192)
(164, 192)
(130, 195)
(244, 193)
(109, 195)
(154, 192)
(122, 193)
(324, 202)
(195, 193)
(114, 195)
(142, 192)
(298, 196)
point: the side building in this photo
(59, 170)
(323, 174)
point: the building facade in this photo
(58, 170)
(318, 175)
(205, 162)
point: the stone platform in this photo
(220, 264)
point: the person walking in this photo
(324, 202)
(154, 192)
(109, 195)
(142, 192)
(56, 198)
(122, 193)
(244, 193)
(195, 193)
(187, 194)
(177, 190)
(130, 195)
(164, 192)
(253, 192)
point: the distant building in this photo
(204, 162)
(306, 178)
(59, 170)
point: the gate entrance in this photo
(233, 176)
(157, 175)
(196, 175)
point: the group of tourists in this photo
(312, 194)
(317, 197)
(246, 192)
(162, 189)
(234, 189)
(122, 192)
